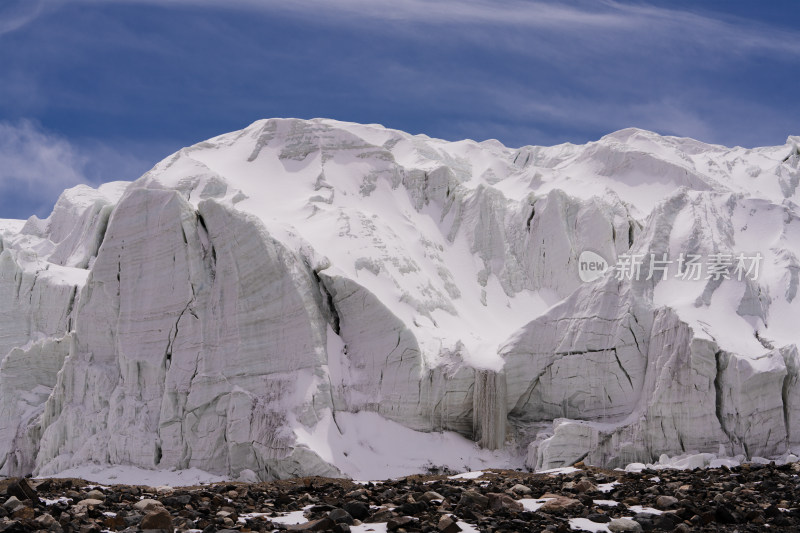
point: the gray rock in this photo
(89, 502)
(95, 494)
(358, 510)
(471, 498)
(521, 489)
(503, 501)
(431, 495)
(12, 503)
(400, 522)
(148, 504)
(624, 525)
(340, 516)
(45, 520)
(666, 502)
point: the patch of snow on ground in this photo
(379, 527)
(131, 475)
(244, 517)
(584, 524)
(367, 446)
(635, 467)
(606, 503)
(642, 509)
(533, 504)
(607, 487)
(62, 499)
(467, 475)
(295, 517)
(563, 470)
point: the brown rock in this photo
(471, 498)
(23, 491)
(114, 523)
(396, 523)
(561, 505)
(356, 493)
(585, 485)
(382, 516)
(157, 519)
(448, 525)
(23, 513)
(499, 501)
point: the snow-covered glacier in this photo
(302, 297)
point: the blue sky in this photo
(96, 90)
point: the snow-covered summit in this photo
(254, 302)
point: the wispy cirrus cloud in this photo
(526, 72)
(605, 18)
(601, 64)
(15, 14)
(37, 165)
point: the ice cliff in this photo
(254, 299)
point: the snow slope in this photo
(293, 298)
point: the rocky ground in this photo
(746, 498)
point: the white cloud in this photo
(37, 165)
(37, 161)
(620, 64)
(610, 21)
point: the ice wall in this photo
(221, 311)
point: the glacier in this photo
(304, 296)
